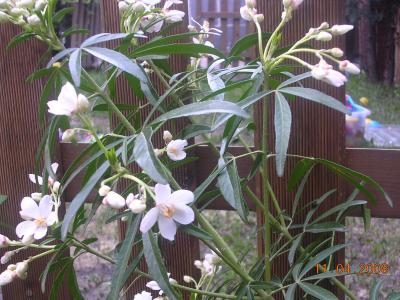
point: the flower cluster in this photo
(210, 265)
(249, 12)
(22, 12)
(145, 16)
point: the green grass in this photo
(384, 101)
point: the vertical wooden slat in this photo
(180, 254)
(316, 131)
(20, 135)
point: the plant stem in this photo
(110, 102)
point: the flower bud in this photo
(40, 4)
(104, 190)
(138, 7)
(36, 196)
(167, 136)
(17, 12)
(137, 206)
(124, 219)
(83, 104)
(192, 28)
(4, 241)
(324, 36)
(341, 29)
(294, 4)
(33, 20)
(259, 18)
(6, 257)
(323, 26)
(212, 258)
(158, 152)
(7, 277)
(198, 264)
(347, 66)
(68, 136)
(188, 279)
(57, 65)
(123, 6)
(56, 186)
(114, 200)
(21, 269)
(337, 52)
(25, 3)
(3, 17)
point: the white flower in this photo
(169, 3)
(155, 287)
(341, 29)
(247, 13)
(324, 36)
(212, 258)
(143, 296)
(175, 149)
(25, 3)
(40, 4)
(174, 16)
(104, 190)
(4, 241)
(294, 4)
(188, 279)
(33, 20)
(152, 19)
(347, 66)
(167, 136)
(17, 11)
(7, 277)
(68, 136)
(51, 181)
(38, 217)
(170, 208)
(138, 7)
(68, 102)
(123, 6)
(251, 3)
(21, 269)
(325, 72)
(135, 204)
(151, 2)
(114, 200)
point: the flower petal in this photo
(167, 227)
(33, 179)
(58, 109)
(54, 167)
(178, 155)
(149, 220)
(163, 191)
(29, 208)
(46, 206)
(153, 285)
(40, 232)
(25, 228)
(181, 197)
(68, 97)
(183, 214)
(178, 144)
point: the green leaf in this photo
(299, 172)
(302, 185)
(393, 296)
(293, 249)
(194, 130)
(73, 285)
(366, 214)
(229, 132)
(19, 39)
(102, 37)
(119, 60)
(283, 123)
(325, 227)
(3, 199)
(316, 96)
(196, 232)
(60, 15)
(326, 275)
(143, 152)
(156, 265)
(291, 292)
(74, 30)
(202, 108)
(339, 208)
(193, 50)
(320, 257)
(294, 79)
(80, 198)
(75, 66)
(318, 292)
(375, 289)
(123, 257)
(247, 42)
(229, 185)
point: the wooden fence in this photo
(317, 131)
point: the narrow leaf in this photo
(318, 292)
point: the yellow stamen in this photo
(40, 222)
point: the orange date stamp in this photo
(362, 269)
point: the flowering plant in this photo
(154, 204)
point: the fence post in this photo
(180, 254)
(316, 131)
(20, 135)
